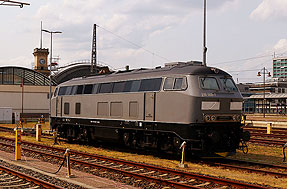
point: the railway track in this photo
(11, 130)
(277, 137)
(268, 141)
(262, 168)
(10, 178)
(137, 172)
(280, 131)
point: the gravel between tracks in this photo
(43, 177)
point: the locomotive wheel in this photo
(126, 139)
(176, 145)
(176, 142)
(86, 136)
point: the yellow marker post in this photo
(243, 119)
(67, 153)
(269, 128)
(18, 144)
(38, 132)
(182, 164)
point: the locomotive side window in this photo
(209, 83)
(119, 87)
(128, 85)
(228, 84)
(78, 108)
(62, 91)
(66, 108)
(175, 83)
(135, 86)
(106, 87)
(150, 84)
(80, 89)
(88, 89)
(179, 84)
(95, 89)
(69, 90)
(168, 83)
(73, 90)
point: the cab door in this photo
(59, 106)
(149, 110)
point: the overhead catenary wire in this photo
(134, 44)
(250, 70)
(244, 59)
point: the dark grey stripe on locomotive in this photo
(184, 131)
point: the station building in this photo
(25, 91)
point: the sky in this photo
(242, 35)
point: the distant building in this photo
(275, 96)
(280, 67)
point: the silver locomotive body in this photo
(158, 108)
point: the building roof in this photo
(13, 75)
(268, 96)
(75, 70)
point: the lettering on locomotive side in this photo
(208, 94)
(95, 122)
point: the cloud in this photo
(134, 20)
(281, 45)
(269, 10)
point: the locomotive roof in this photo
(168, 70)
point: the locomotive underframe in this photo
(202, 139)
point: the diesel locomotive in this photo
(156, 108)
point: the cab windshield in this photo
(209, 83)
(228, 84)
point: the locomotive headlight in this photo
(207, 117)
(236, 117)
(213, 118)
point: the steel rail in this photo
(268, 141)
(29, 178)
(250, 169)
(136, 175)
(255, 134)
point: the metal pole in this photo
(22, 96)
(204, 33)
(41, 40)
(50, 82)
(264, 92)
(94, 51)
(50, 78)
